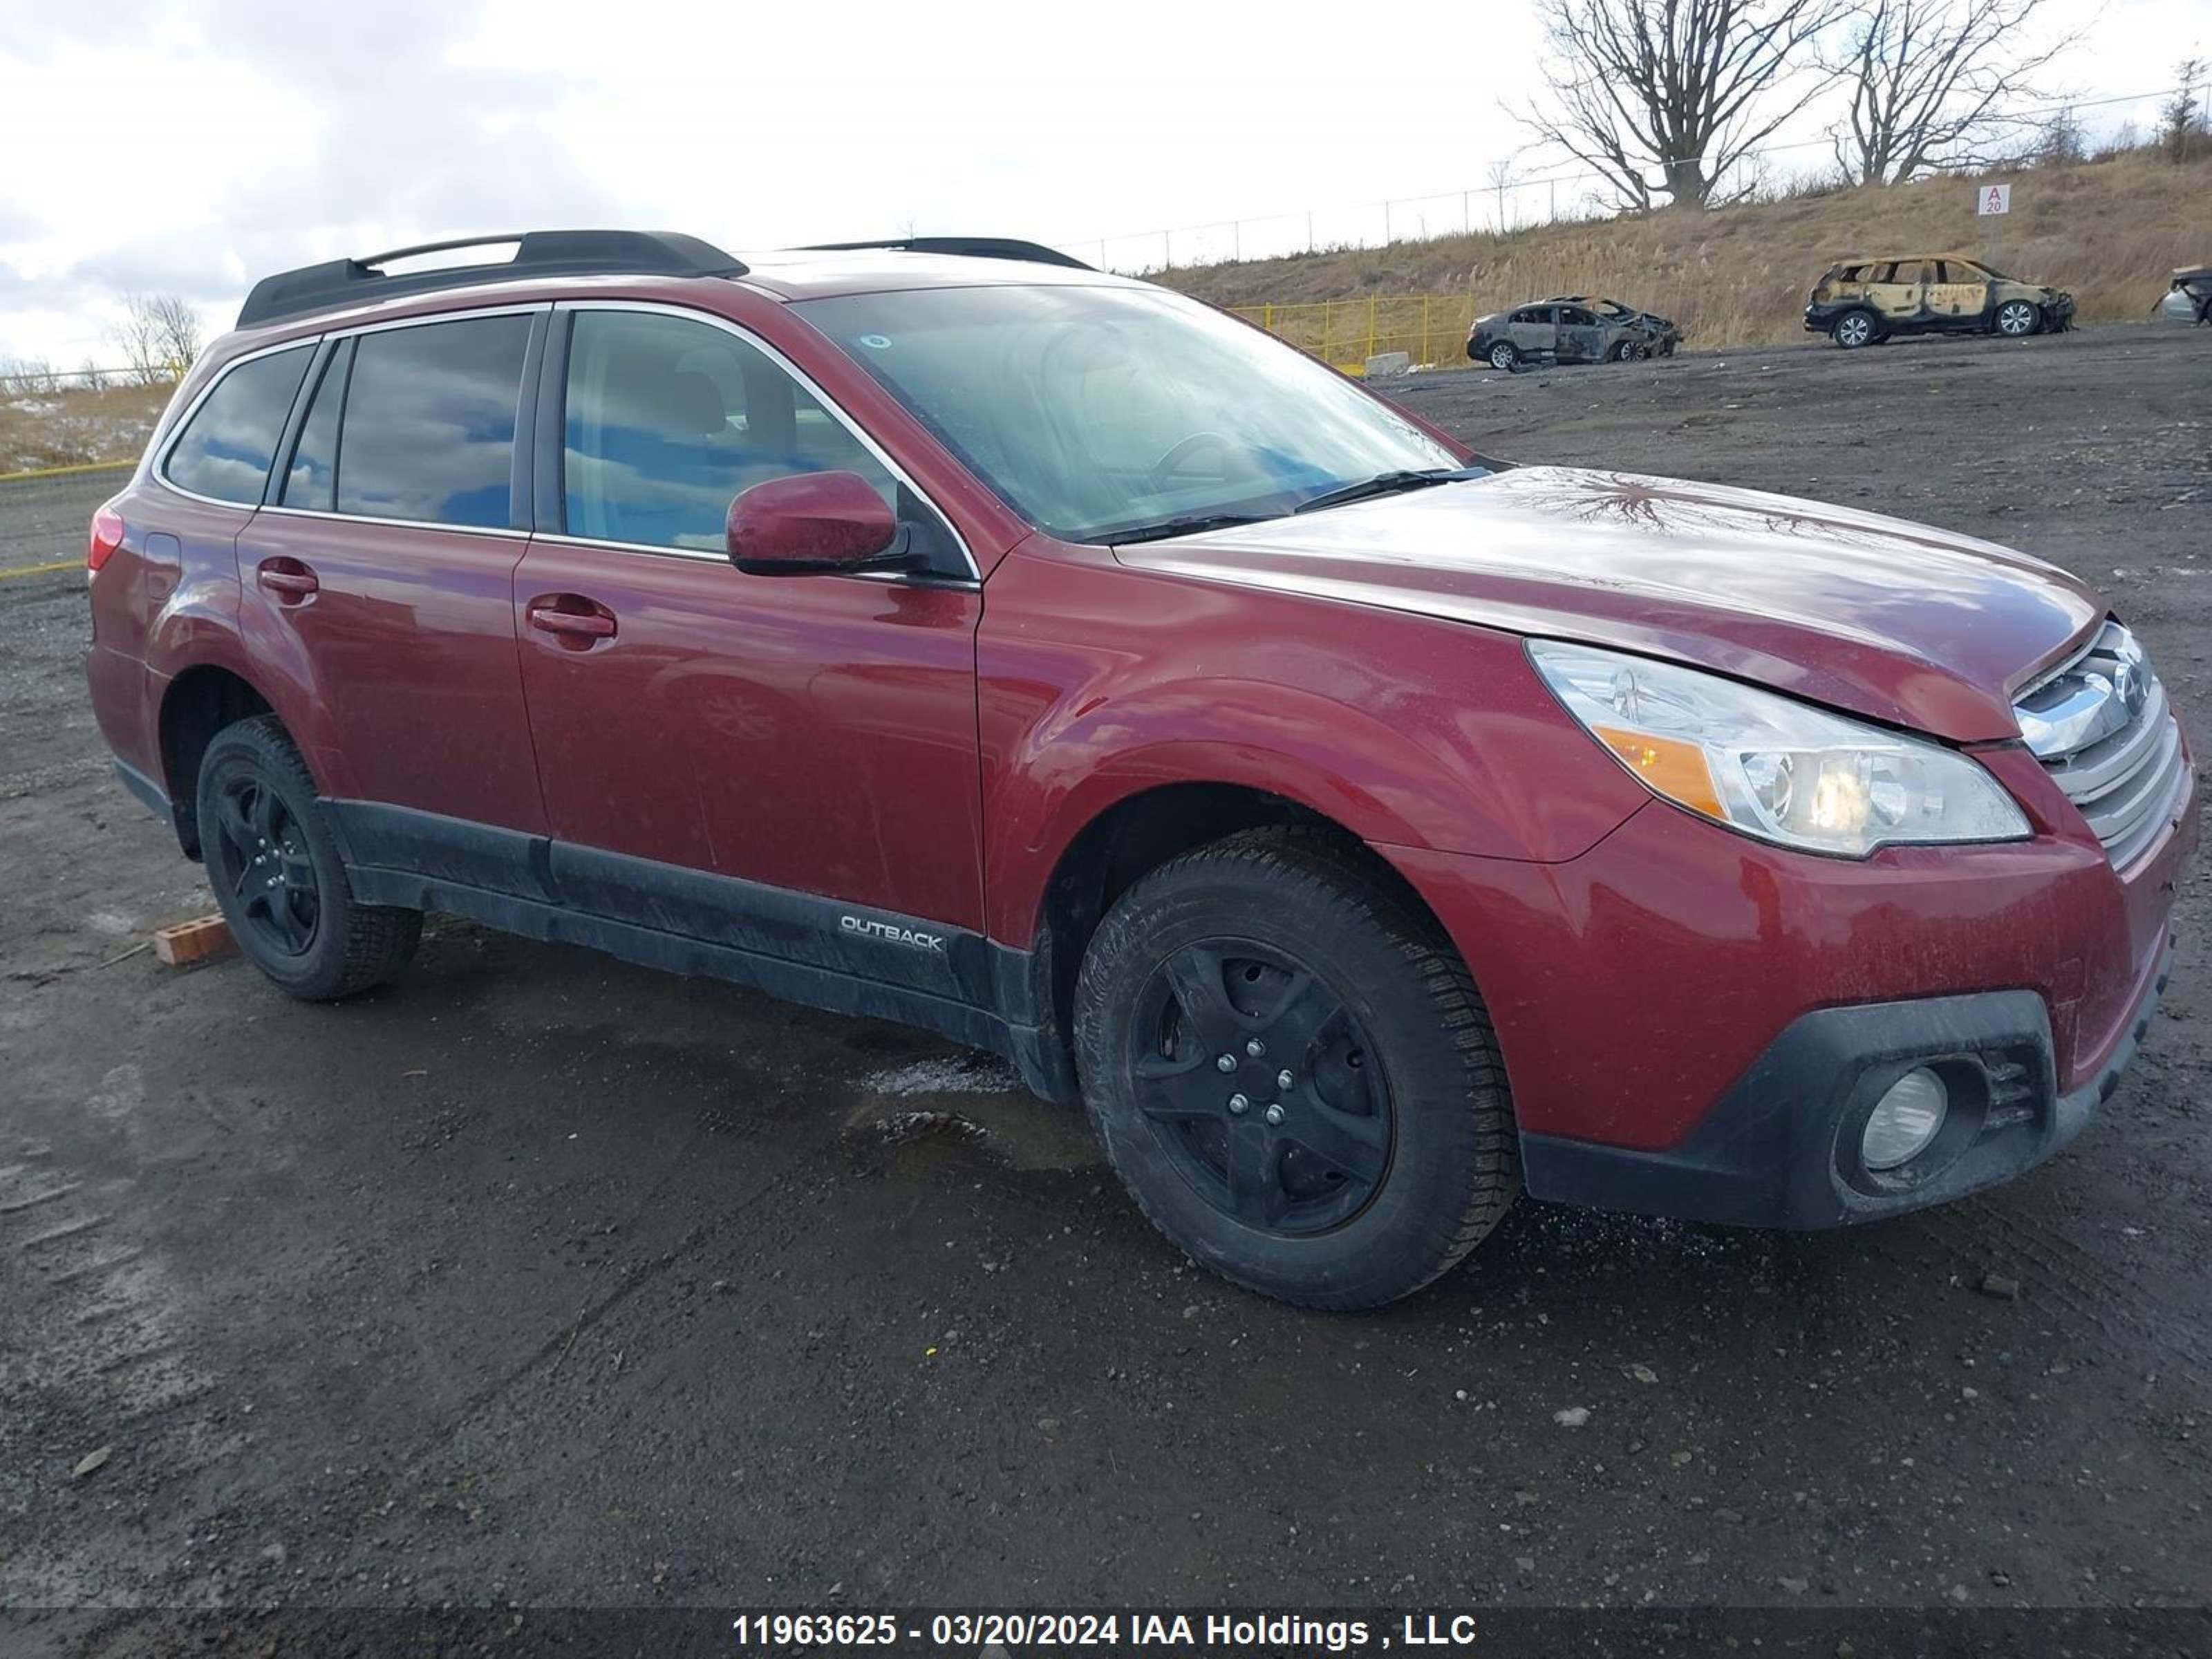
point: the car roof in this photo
(781, 275)
(806, 273)
(500, 265)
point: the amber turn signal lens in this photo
(1676, 770)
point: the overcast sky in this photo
(192, 145)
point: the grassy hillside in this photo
(2111, 230)
(72, 426)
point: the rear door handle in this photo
(572, 620)
(287, 578)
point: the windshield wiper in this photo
(1190, 525)
(1386, 484)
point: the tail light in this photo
(106, 537)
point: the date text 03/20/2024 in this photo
(1166, 1631)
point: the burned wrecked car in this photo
(1859, 302)
(1662, 335)
(2189, 298)
(1555, 332)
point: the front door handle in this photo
(575, 623)
(290, 581)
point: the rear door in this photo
(382, 568)
(1894, 294)
(814, 734)
(1535, 330)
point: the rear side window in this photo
(224, 449)
(311, 480)
(429, 431)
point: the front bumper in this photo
(1781, 1149)
(1693, 1021)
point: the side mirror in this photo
(810, 523)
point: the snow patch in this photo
(977, 1074)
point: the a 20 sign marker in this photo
(1994, 199)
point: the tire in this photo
(277, 875)
(1396, 1150)
(1505, 354)
(1855, 329)
(2018, 319)
(1625, 352)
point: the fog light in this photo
(1905, 1120)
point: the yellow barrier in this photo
(65, 472)
(1430, 328)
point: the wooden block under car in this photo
(196, 940)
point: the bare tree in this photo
(159, 336)
(1501, 180)
(1930, 81)
(2061, 139)
(22, 374)
(1682, 87)
(2181, 119)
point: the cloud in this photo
(286, 134)
(231, 138)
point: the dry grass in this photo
(2110, 230)
(70, 427)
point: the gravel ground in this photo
(537, 1279)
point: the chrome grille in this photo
(2102, 727)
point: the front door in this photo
(1957, 292)
(383, 568)
(813, 734)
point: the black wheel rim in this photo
(274, 895)
(1261, 1087)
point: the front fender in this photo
(1097, 683)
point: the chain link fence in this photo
(45, 516)
(1518, 195)
(1430, 329)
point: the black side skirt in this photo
(798, 946)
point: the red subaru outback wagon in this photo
(1362, 830)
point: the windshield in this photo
(1102, 413)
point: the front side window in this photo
(226, 447)
(1099, 412)
(428, 429)
(667, 420)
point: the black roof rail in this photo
(970, 247)
(536, 253)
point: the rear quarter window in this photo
(225, 448)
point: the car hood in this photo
(1888, 619)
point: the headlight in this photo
(1771, 766)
